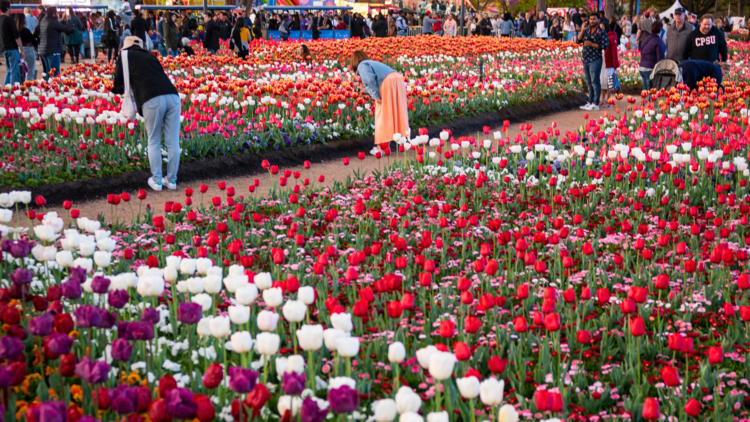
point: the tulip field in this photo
(71, 128)
(593, 275)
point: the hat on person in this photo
(131, 41)
(679, 11)
(185, 41)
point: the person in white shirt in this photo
(126, 13)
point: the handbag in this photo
(127, 108)
(149, 42)
(612, 81)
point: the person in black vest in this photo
(139, 26)
(51, 46)
(225, 27)
(380, 27)
(694, 71)
(12, 46)
(156, 99)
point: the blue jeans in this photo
(52, 64)
(162, 49)
(162, 113)
(592, 71)
(571, 35)
(12, 58)
(646, 76)
(173, 53)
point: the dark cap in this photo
(679, 11)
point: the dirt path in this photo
(332, 170)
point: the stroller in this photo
(666, 74)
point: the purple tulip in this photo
(21, 276)
(87, 418)
(293, 383)
(180, 404)
(242, 380)
(189, 313)
(51, 411)
(41, 326)
(78, 275)
(10, 348)
(88, 316)
(108, 319)
(150, 315)
(17, 249)
(71, 289)
(141, 331)
(311, 412)
(93, 372)
(59, 344)
(123, 330)
(124, 399)
(121, 350)
(6, 376)
(100, 284)
(343, 399)
(118, 299)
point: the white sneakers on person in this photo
(170, 185)
(154, 184)
(585, 106)
(593, 107)
(374, 151)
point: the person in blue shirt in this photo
(694, 71)
(387, 88)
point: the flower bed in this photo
(70, 129)
(586, 276)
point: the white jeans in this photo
(162, 113)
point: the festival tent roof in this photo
(61, 6)
(291, 8)
(196, 7)
(675, 6)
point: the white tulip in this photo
(263, 280)
(239, 314)
(170, 274)
(85, 263)
(286, 403)
(195, 285)
(45, 233)
(247, 294)
(407, 401)
(273, 297)
(438, 417)
(150, 285)
(49, 253)
(187, 266)
(107, 244)
(384, 410)
(491, 391)
(267, 320)
(267, 343)
(332, 335)
(86, 248)
(102, 258)
(348, 346)
(202, 265)
(204, 326)
(424, 354)
(204, 300)
(212, 284)
(220, 327)
(441, 365)
(468, 387)
(6, 216)
(64, 259)
(306, 295)
(396, 352)
(507, 413)
(242, 342)
(310, 337)
(5, 200)
(337, 382)
(342, 321)
(234, 282)
(293, 310)
(295, 363)
(24, 196)
(173, 261)
(410, 417)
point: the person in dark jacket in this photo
(706, 43)
(356, 27)
(139, 26)
(258, 26)
(74, 40)
(171, 37)
(652, 52)
(211, 36)
(528, 26)
(380, 27)
(225, 27)
(111, 37)
(556, 32)
(694, 71)
(49, 31)
(157, 100)
(151, 21)
(10, 44)
(485, 26)
(315, 25)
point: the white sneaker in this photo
(585, 106)
(154, 184)
(374, 151)
(593, 107)
(168, 184)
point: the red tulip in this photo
(213, 376)
(447, 328)
(142, 194)
(520, 324)
(715, 354)
(394, 309)
(693, 407)
(472, 324)
(40, 201)
(583, 337)
(552, 322)
(651, 409)
(496, 364)
(676, 342)
(67, 205)
(637, 327)
(542, 400)
(670, 376)
(461, 350)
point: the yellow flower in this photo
(76, 392)
(134, 378)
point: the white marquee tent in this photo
(675, 6)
